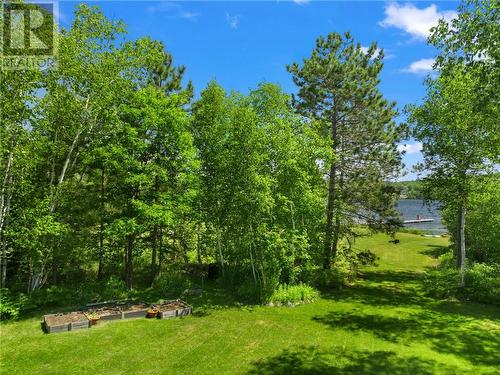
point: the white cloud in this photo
(411, 149)
(172, 10)
(364, 49)
(232, 21)
(422, 66)
(190, 15)
(387, 53)
(415, 21)
(301, 2)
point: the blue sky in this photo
(242, 43)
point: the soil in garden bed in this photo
(174, 305)
(105, 311)
(65, 318)
(134, 307)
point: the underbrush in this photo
(13, 303)
(293, 294)
(172, 282)
(482, 281)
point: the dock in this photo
(416, 221)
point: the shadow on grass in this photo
(447, 326)
(311, 360)
(388, 288)
(435, 251)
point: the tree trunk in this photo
(336, 230)
(160, 250)
(462, 244)
(327, 251)
(154, 246)
(128, 261)
(219, 248)
(100, 271)
(198, 243)
(5, 198)
(458, 253)
(3, 263)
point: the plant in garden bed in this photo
(293, 294)
(152, 312)
(93, 316)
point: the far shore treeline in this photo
(114, 178)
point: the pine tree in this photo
(338, 88)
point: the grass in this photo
(384, 324)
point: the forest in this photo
(260, 227)
(118, 175)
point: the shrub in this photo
(10, 305)
(366, 257)
(172, 282)
(482, 283)
(248, 291)
(293, 294)
(447, 260)
(114, 288)
(442, 283)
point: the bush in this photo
(366, 257)
(248, 291)
(10, 305)
(442, 283)
(293, 294)
(172, 282)
(482, 283)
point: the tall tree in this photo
(458, 123)
(460, 143)
(338, 88)
(18, 92)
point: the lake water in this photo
(410, 208)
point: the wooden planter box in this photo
(80, 321)
(137, 310)
(182, 310)
(167, 314)
(116, 316)
(108, 312)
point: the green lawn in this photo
(382, 325)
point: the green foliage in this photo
(11, 305)
(483, 283)
(338, 92)
(342, 273)
(442, 283)
(366, 257)
(250, 292)
(293, 295)
(458, 122)
(409, 189)
(172, 282)
(482, 218)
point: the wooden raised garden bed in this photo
(108, 312)
(171, 309)
(112, 311)
(134, 310)
(65, 322)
